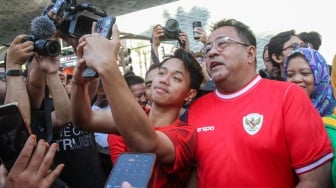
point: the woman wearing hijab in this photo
(308, 68)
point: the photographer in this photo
(161, 33)
(16, 91)
(46, 115)
(19, 52)
(43, 72)
(75, 147)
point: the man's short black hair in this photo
(133, 79)
(313, 37)
(191, 64)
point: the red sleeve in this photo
(184, 139)
(313, 144)
(116, 146)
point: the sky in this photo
(263, 17)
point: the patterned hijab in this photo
(322, 97)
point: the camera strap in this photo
(47, 113)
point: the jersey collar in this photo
(239, 92)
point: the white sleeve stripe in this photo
(315, 164)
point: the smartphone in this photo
(195, 25)
(13, 133)
(103, 27)
(135, 168)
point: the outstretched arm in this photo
(131, 120)
(81, 113)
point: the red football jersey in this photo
(260, 136)
(168, 175)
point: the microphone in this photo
(98, 11)
(42, 27)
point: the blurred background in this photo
(136, 18)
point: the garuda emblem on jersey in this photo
(252, 123)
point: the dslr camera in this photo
(47, 47)
(171, 30)
(72, 18)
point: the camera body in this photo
(171, 30)
(77, 25)
(72, 18)
(44, 47)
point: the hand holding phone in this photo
(103, 27)
(196, 25)
(134, 168)
(13, 133)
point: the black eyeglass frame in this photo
(295, 46)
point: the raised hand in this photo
(32, 167)
(18, 52)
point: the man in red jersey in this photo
(255, 132)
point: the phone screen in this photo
(13, 133)
(135, 168)
(104, 26)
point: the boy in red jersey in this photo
(160, 132)
(254, 132)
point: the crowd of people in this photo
(210, 117)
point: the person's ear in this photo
(277, 58)
(251, 52)
(190, 95)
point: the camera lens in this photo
(171, 29)
(53, 48)
(47, 47)
(172, 25)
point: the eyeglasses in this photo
(220, 44)
(295, 46)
